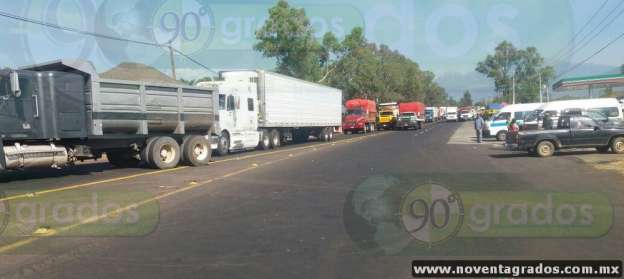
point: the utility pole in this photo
(513, 89)
(540, 87)
(547, 93)
(171, 57)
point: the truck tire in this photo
(165, 153)
(617, 145)
(145, 152)
(196, 151)
(330, 132)
(276, 141)
(501, 136)
(122, 159)
(223, 146)
(326, 134)
(265, 141)
(545, 149)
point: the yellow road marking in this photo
(33, 194)
(53, 232)
(117, 179)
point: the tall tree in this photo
(358, 67)
(287, 36)
(466, 100)
(451, 102)
(525, 66)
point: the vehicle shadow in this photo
(557, 154)
(41, 173)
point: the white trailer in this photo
(263, 109)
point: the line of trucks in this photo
(362, 115)
(57, 113)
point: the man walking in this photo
(479, 127)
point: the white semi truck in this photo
(263, 109)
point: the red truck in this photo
(411, 115)
(361, 116)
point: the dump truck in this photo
(411, 115)
(388, 114)
(361, 116)
(57, 113)
(262, 109)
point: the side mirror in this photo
(15, 88)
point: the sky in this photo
(447, 37)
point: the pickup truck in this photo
(573, 132)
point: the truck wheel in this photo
(275, 139)
(165, 153)
(145, 152)
(122, 159)
(196, 151)
(545, 149)
(223, 146)
(501, 136)
(617, 145)
(603, 149)
(330, 132)
(265, 141)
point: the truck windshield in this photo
(354, 112)
(407, 114)
(387, 113)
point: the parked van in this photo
(607, 109)
(497, 125)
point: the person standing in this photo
(479, 123)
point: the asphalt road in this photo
(307, 211)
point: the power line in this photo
(591, 56)
(193, 60)
(43, 23)
(570, 43)
(87, 33)
(583, 41)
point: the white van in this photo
(497, 125)
(607, 109)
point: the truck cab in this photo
(387, 119)
(237, 107)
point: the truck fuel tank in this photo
(24, 156)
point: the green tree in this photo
(359, 68)
(287, 36)
(451, 102)
(466, 100)
(622, 69)
(526, 66)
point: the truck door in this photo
(584, 132)
(19, 114)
